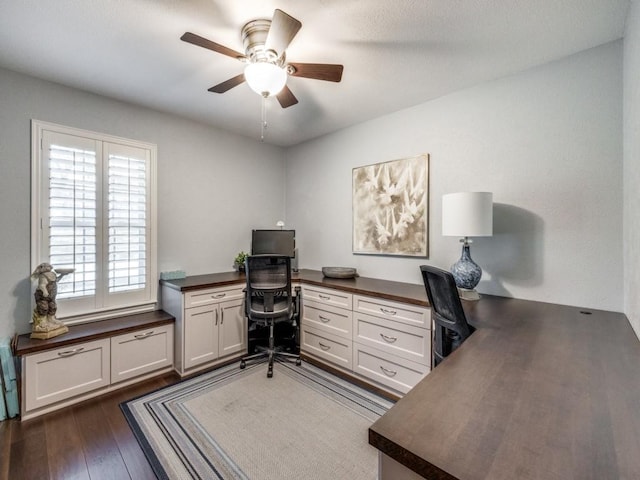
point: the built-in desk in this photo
(377, 332)
(539, 391)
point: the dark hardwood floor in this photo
(90, 440)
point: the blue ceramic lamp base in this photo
(466, 273)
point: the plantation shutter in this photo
(72, 212)
(93, 211)
(127, 239)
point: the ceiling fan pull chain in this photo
(263, 124)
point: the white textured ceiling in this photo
(396, 53)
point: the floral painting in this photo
(391, 207)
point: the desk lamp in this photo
(467, 214)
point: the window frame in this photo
(103, 304)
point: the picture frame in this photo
(390, 202)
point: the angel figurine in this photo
(45, 324)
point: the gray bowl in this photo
(339, 272)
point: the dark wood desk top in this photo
(93, 331)
(390, 290)
(539, 391)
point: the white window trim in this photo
(37, 161)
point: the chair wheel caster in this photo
(242, 364)
(270, 372)
(298, 362)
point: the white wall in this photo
(210, 183)
(632, 167)
(547, 142)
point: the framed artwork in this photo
(391, 207)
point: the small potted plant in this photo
(238, 262)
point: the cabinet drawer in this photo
(212, 295)
(327, 347)
(400, 312)
(328, 296)
(337, 321)
(140, 352)
(389, 370)
(63, 373)
(406, 341)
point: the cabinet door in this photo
(56, 375)
(232, 331)
(200, 335)
(140, 352)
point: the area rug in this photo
(303, 423)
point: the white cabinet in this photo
(326, 326)
(144, 351)
(384, 342)
(56, 375)
(391, 342)
(210, 325)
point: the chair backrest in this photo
(268, 291)
(450, 322)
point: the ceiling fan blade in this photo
(286, 98)
(227, 85)
(283, 28)
(318, 71)
(204, 43)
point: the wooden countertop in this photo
(93, 331)
(390, 290)
(539, 391)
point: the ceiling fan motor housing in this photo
(254, 37)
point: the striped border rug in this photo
(229, 423)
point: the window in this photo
(93, 211)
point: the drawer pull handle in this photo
(140, 336)
(216, 317)
(219, 295)
(324, 297)
(388, 373)
(323, 346)
(221, 317)
(388, 339)
(324, 319)
(70, 353)
(388, 312)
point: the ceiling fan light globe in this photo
(264, 78)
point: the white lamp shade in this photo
(467, 214)
(265, 78)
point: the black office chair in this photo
(268, 300)
(450, 322)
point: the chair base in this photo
(272, 354)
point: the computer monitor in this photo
(278, 242)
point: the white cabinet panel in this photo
(232, 336)
(325, 346)
(328, 296)
(200, 335)
(337, 321)
(60, 374)
(399, 312)
(389, 370)
(140, 352)
(396, 338)
(212, 295)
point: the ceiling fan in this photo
(265, 43)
